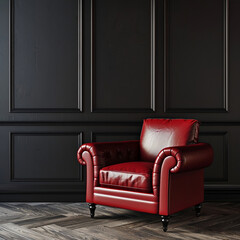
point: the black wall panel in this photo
(44, 55)
(122, 45)
(196, 55)
(40, 155)
(77, 71)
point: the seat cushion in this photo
(133, 176)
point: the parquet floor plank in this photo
(60, 221)
(53, 231)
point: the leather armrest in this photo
(182, 159)
(191, 157)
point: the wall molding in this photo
(51, 196)
(12, 107)
(102, 123)
(152, 67)
(225, 106)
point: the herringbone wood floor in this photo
(71, 221)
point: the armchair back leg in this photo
(198, 208)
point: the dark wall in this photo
(75, 71)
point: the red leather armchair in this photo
(160, 174)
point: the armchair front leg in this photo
(165, 221)
(92, 207)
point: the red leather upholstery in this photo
(90, 174)
(161, 133)
(143, 202)
(162, 173)
(126, 194)
(135, 176)
(186, 190)
(104, 154)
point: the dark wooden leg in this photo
(165, 221)
(92, 207)
(198, 209)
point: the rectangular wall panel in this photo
(196, 49)
(123, 70)
(45, 55)
(44, 157)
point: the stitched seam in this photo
(122, 186)
(120, 171)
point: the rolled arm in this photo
(189, 157)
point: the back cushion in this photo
(160, 133)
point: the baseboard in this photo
(222, 193)
(42, 197)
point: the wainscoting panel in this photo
(37, 156)
(45, 58)
(123, 55)
(41, 160)
(196, 55)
